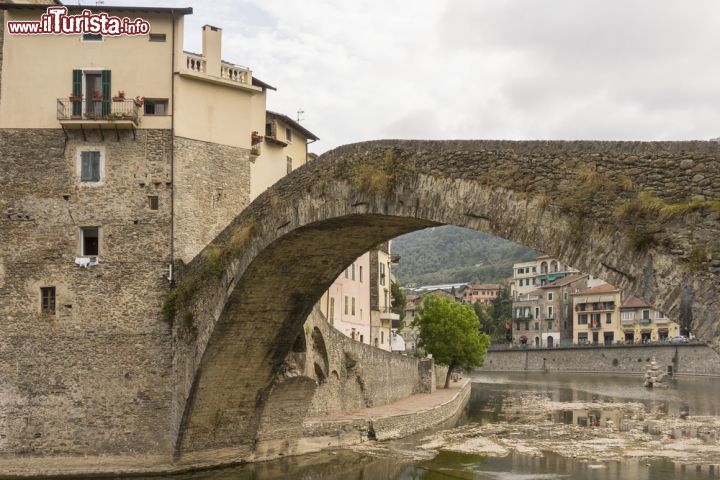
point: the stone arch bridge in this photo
(642, 215)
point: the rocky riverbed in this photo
(531, 424)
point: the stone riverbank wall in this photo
(319, 434)
(683, 359)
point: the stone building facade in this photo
(641, 323)
(102, 198)
(484, 293)
(597, 315)
(544, 316)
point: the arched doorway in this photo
(550, 342)
(537, 342)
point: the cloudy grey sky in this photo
(501, 69)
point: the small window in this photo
(353, 271)
(156, 106)
(550, 296)
(92, 37)
(90, 166)
(331, 312)
(353, 306)
(90, 241)
(626, 315)
(288, 135)
(153, 202)
(346, 272)
(288, 161)
(47, 302)
(361, 274)
(608, 318)
(382, 337)
(382, 274)
(157, 37)
(268, 129)
(346, 305)
(550, 311)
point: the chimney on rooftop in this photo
(211, 45)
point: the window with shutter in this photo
(106, 92)
(90, 166)
(77, 92)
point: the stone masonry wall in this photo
(359, 375)
(212, 185)
(685, 359)
(95, 378)
(2, 41)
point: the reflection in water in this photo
(492, 403)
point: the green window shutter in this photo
(85, 167)
(105, 82)
(95, 156)
(90, 166)
(77, 91)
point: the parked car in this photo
(679, 339)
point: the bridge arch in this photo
(620, 211)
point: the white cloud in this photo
(559, 69)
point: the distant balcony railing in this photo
(198, 64)
(236, 74)
(195, 63)
(79, 108)
(596, 307)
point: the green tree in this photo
(398, 299)
(501, 312)
(487, 322)
(450, 331)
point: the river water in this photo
(538, 426)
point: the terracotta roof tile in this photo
(634, 302)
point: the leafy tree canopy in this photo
(398, 299)
(450, 331)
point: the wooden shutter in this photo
(90, 166)
(105, 83)
(95, 162)
(77, 91)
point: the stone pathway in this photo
(409, 405)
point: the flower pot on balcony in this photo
(118, 99)
(75, 98)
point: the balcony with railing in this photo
(627, 322)
(196, 65)
(595, 307)
(98, 111)
(386, 313)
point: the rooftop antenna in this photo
(299, 115)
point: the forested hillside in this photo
(451, 254)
